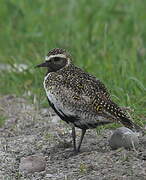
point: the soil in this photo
(30, 130)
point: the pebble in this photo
(123, 137)
(48, 175)
(31, 164)
(55, 119)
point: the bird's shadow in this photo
(61, 152)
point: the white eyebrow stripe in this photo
(47, 58)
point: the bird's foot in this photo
(76, 151)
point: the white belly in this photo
(59, 106)
(57, 101)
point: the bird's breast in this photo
(53, 93)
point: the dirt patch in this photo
(29, 130)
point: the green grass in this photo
(2, 120)
(106, 37)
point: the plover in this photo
(79, 98)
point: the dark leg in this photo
(81, 139)
(74, 138)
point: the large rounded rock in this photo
(123, 137)
(31, 164)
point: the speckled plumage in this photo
(79, 93)
(78, 97)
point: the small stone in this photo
(48, 175)
(31, 164)
(55, 119)
(123, 137)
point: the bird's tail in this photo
(130, 124)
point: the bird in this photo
(79, 98)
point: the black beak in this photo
(45, 64)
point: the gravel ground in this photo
(29, 131)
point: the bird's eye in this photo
(56, 59)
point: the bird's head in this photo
(56, 59)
